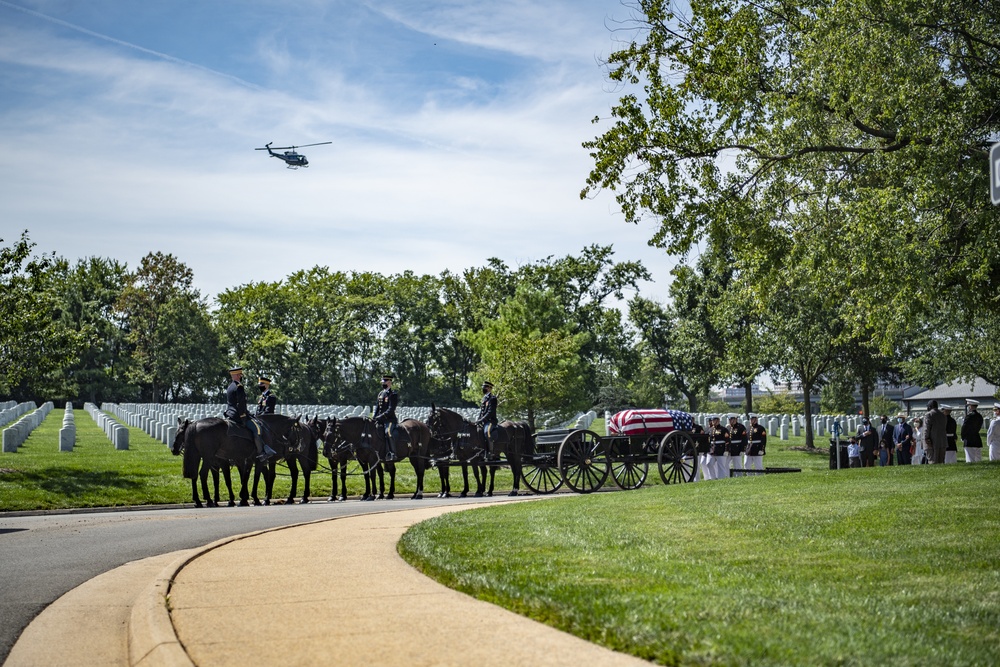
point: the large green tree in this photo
(853, 131)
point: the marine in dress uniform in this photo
(971, 428)
(951, 431)
(718, 438)
(993, 434)
(487, 413)
(737, 446)
(385, 414)
(757, 445)
(267, 401)
(237, 411)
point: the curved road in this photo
(44, 555)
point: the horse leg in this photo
(480, 472)
(203, 475)
(194, 492)
(493, 473)
(333, 481)
(244, 481)
(380, 471)
(305, 481)
(227, 475)
(215, 484)
(256, 481)
(391, 467)
(515, 469)
(465, 480)
(418, 468)
(444, 474)
(343, 480)
(369, 484)
(293, 468)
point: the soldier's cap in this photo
(487, 385)
(754, 415)
(388, 378)
(971, 401)
(732, 415)
(235, 369)
(264, 381)
(996, 406)
(945, 407)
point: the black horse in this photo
(453, 430)
(513, 440)
(339, 453)
(208, 444)
(295, 443)
(368, 445)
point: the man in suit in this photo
(935, 433)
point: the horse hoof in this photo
(256, 502)
(198, 505)
(290, 501)
(267, 501)
(463, 494)
(231, 503)
(244, 503)
(305, 500)
(479, 494)
(390, 497)
(489, 494)
(381, 496)
(343, 498)
(331, 499)
(417, 496)
(513, 493)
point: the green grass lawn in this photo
(882, 566)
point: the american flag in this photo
(683, 421)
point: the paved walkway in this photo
(336, 592)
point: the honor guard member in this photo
(971, 428)
(237, 411)
(718, 437)
(487, 414)
(385, 414)
(951, 431)
(993, 434)
(737, 446)
(267, 401)
(757, 446)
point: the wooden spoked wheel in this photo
(677, 458)
(629, 461)
(541, 474)
(583, 461)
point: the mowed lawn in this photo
(883, 566)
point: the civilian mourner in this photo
(757, 446)
(885, 443)
(868, 439)
(951, 433)
(902, 436)
(237, 411)
(385, 414)
(737, 446)
(972, 441)
(487, 414)
(267, 401)
(935, 433)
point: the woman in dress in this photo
(918, 447)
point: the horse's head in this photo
(330, 436)
(178, 446)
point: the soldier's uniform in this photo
(267, 401)
(385, 414)
(951, 430)
(718, 439)
(971, 428)
(757, 445)
(737, 446)
(487, 414)
(237, 411)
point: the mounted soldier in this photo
(385, 414)
(487, 421)
(237, 412)
(267, 401)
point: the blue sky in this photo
(129, 127)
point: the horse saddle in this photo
(235, 429)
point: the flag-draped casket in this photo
(641, 422)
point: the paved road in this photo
(44, 556)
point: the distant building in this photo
(953, 394)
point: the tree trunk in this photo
(692, 401)
(748, 395)
(807, 405)
(865, 391)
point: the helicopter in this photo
(292, 159)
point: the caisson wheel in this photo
(541, 474)
(677, 458)
(583, 461)
(629, 461)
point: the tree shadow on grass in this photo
(72, 483)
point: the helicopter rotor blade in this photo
(322, 143)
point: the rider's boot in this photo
(263, 451)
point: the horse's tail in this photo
(192, 456)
